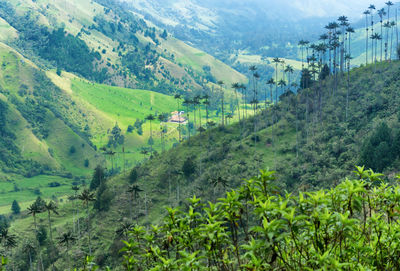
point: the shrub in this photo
(72, 150)
(15, 208)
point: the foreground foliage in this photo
(353, 226)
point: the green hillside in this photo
(60, 121)
(209, 164)
(121, 47)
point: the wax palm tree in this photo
(324, 38)
(236, 87)
(219, 182)
(381, 14)
(335, 45)
(229, 117)
(34, 209)
(372, 8)
(124, 229)
(75, 188)
(256, 76)
(271, 83)
(161, 118)
(283, 63)
(178, 98)
(348, 58)
(197, 104)
(66, 239)
(307, 43)
(349, 31)
(331, 27)
(134, 190)
(150, 118)
(343, 22)
(389, 4)
(86, 197)
(276, 61)
(373, 38)
(397, 30)
(51, 207)
(186, 103)
(144, 152)
(289, 69)
(221, 83)
(29, 249)
(302, 44)
(366, 13)
(392, 25)
(7, 239)
(206, 103)
(387, 25)
(244, 90)
(252, 69)
(282, 85)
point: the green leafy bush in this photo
(353, 226)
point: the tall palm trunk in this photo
(266, 97)
(237, 102)
(245, 103)
(276, 84)
(194, 116)
(199, 115)
(88, 228)
(391, 43)
(179, 121)
(302, 57)
(348, 79)
(387, 42)
(50, 231)
(366, 41)
(188, 119)
(206, 112)
(151, 136)
(372, 32)
(397, 33)
(222, 107)
(381, 39)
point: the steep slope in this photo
(53, 126)
(268, 28)
(105, 43)
(388, 35)
(329, 146)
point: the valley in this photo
(140, 135)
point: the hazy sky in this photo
(350, 8)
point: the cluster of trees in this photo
(64, 50)
(44, 250)
(381, 149)
(257, 227)
(10, 157)
(385, 38)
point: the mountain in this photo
(107, 44)
(226, 27)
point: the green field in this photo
(25, 190)
(121, 104)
